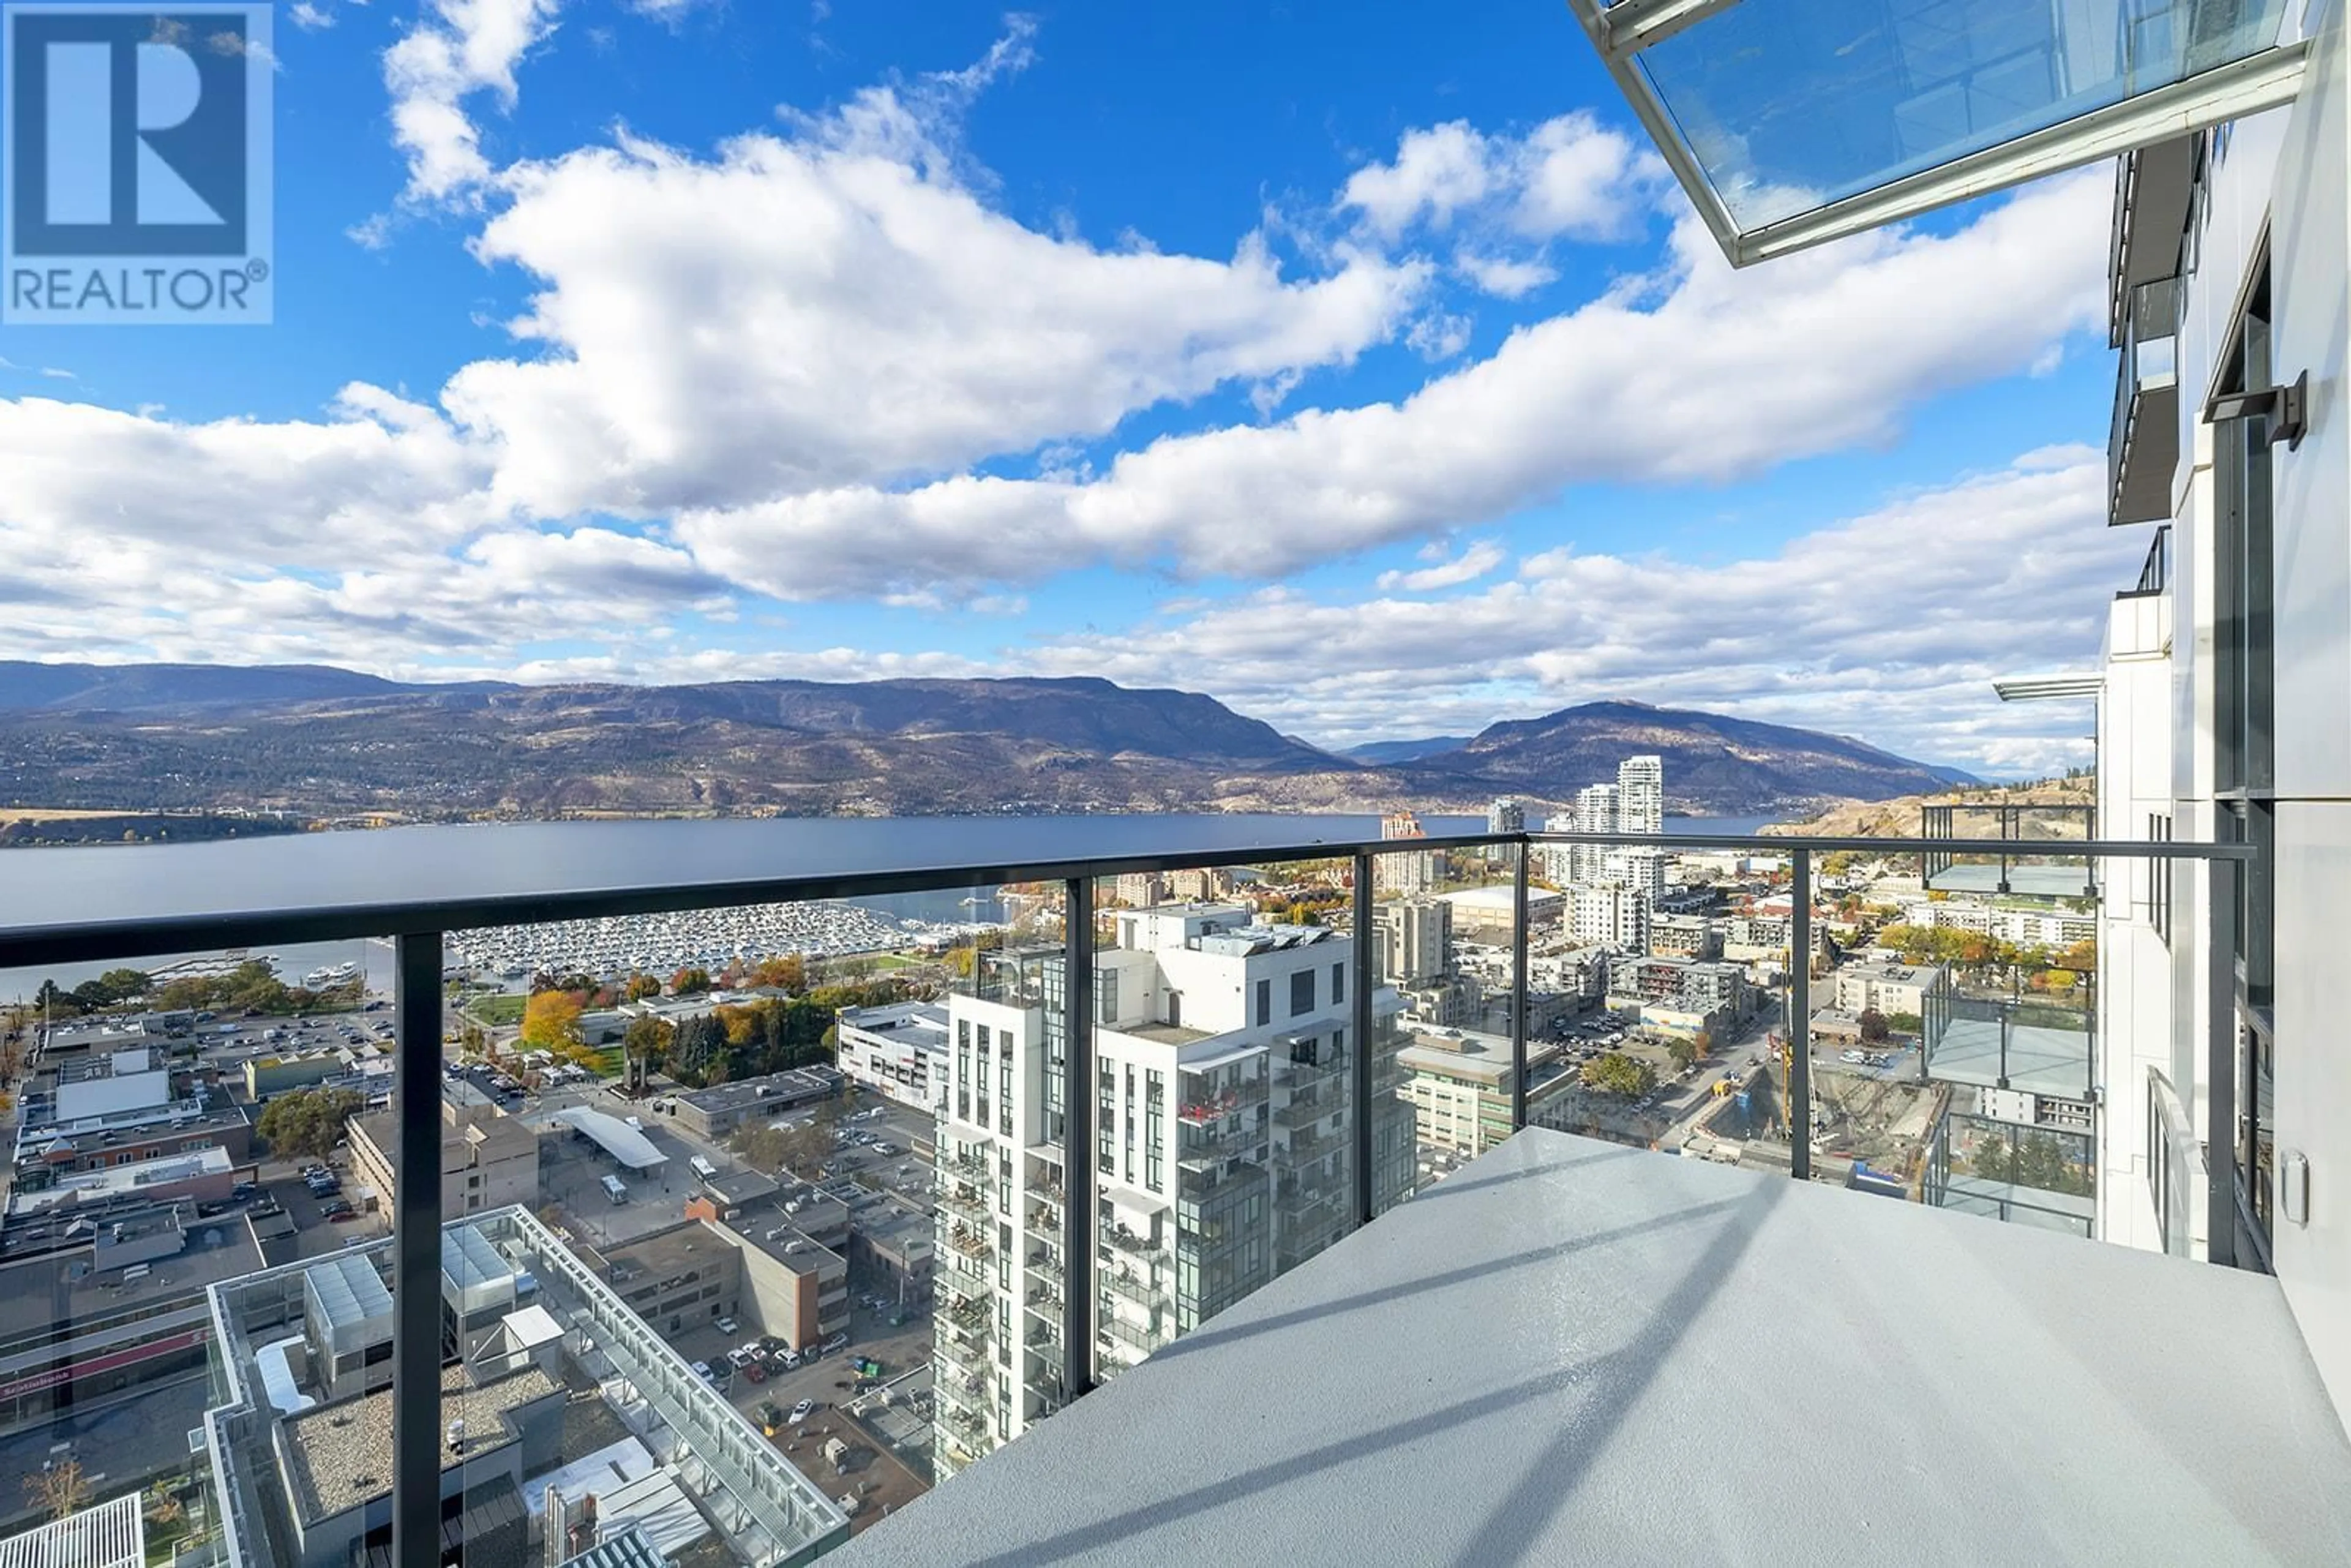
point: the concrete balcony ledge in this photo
(1586, 1352)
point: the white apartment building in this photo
(1641, 795)
(1890, 988)
(1641, 868)
(1609, 914)
(2037, 926)
(1506, 816)
(900, 1050)
(1596, 812)
(1224, 1142)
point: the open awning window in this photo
(1794, 122)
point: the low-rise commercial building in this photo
(121, 1107)
(679, 1278)
(716, 1112)
(900, 1049)
(796, 1288)
(102, 1299)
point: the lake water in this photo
(95, 883)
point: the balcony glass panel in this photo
(2037, 867)
(1788, 107)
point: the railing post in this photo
(1079, 1096)
(2220, 1151)
(1367, 971)
(417, 1004)
(1800, 1019)
(1519, 993)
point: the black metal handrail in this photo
(419, 927)
(2155, 572)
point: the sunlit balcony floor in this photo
(1573, 1351)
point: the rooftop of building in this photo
(734, 1189)
(111, 1183)
(46, 1278)
(924, 1023)
(485, 1140)
(788, 1245)
(1898, 974)
(799, 1083)
(1468, 1054)
(1685, 1363)
(670, 1251)
(340, 1455)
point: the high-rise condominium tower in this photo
(1641, 795)
(1223, 1140)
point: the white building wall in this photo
(2310, 248)
(2283, 174)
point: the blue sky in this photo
(1363, 371)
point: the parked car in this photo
(738, 1359)
(702, 1369)
(791, 1358)
(755, 1372)
(836, 1342)
(341, 1212)
(725, 1325)
(802, 1411)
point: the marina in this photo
(711, 940)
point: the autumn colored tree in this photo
(61, 1491)
(689, 981)
(552, 1021)
(786, 972)
(640, 987)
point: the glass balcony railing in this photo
(2031, 858)
(1364, 1052)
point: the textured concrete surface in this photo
(1575, 1352)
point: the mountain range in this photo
(327, 742)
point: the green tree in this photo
(1614, 1072)
(1683, 1052)
(126, 983)
(306, 1123)
(1874, 1025)
(647, 1039)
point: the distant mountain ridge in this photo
(327, 742)
(1380, 752)
(1723, 763)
